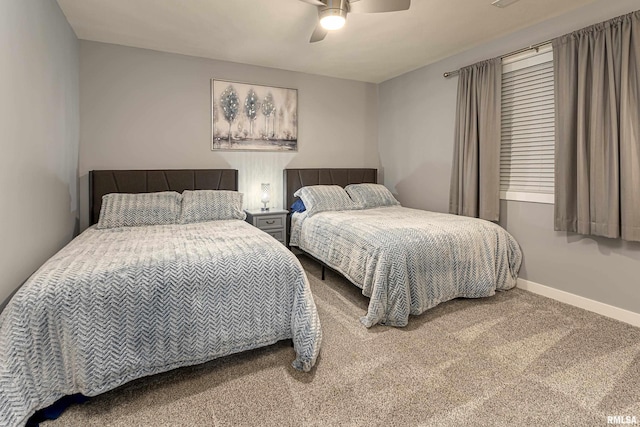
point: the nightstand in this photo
(273, 222)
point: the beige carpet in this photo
(515, 359)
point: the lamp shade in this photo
(265, 194)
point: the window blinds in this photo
(528, 131)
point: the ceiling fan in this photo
(332, 14)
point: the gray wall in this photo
(417, 113)
(39, 121)
(145, 109)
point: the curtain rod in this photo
(515, 52)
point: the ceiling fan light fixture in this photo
(333, 19)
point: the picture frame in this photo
(252, 117)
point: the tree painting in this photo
(267, 110)
(251, 107)
(236, 117)
(229, 102)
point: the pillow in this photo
(211, 205)
(321, 198)
(371, 195)
(132, 210)
(298, 206)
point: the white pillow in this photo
(371, 195)
(321, 198)
(211, 205)
(132, 210)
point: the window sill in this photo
(528, 197)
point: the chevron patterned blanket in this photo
(119, 304)
(407, 260)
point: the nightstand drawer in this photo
(277, 234)
(265, 222)
(271, 222)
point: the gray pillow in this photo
(132, 210)
(321, 198)
(211, 205)
(371, 195)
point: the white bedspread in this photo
(407, 261)
(120, 304)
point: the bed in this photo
(121, 303)
(405, 260)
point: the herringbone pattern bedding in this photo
(371, 195)
(123, 303)
(210, 205)
(409, 260)
(133, 210)
(321, 198)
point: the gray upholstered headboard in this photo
(103, 182)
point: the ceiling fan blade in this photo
(378, 6)
(318, 34)
(314, 2)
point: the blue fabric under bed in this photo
(54, 411)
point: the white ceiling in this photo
(275, 33)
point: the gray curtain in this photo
(597, 87)
(475, 177)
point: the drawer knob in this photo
(271, 221)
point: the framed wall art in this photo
(250, 117)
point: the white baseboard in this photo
(588, 304)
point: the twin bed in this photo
(119, 303)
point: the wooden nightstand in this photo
(273, 222)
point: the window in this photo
(528, 130)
